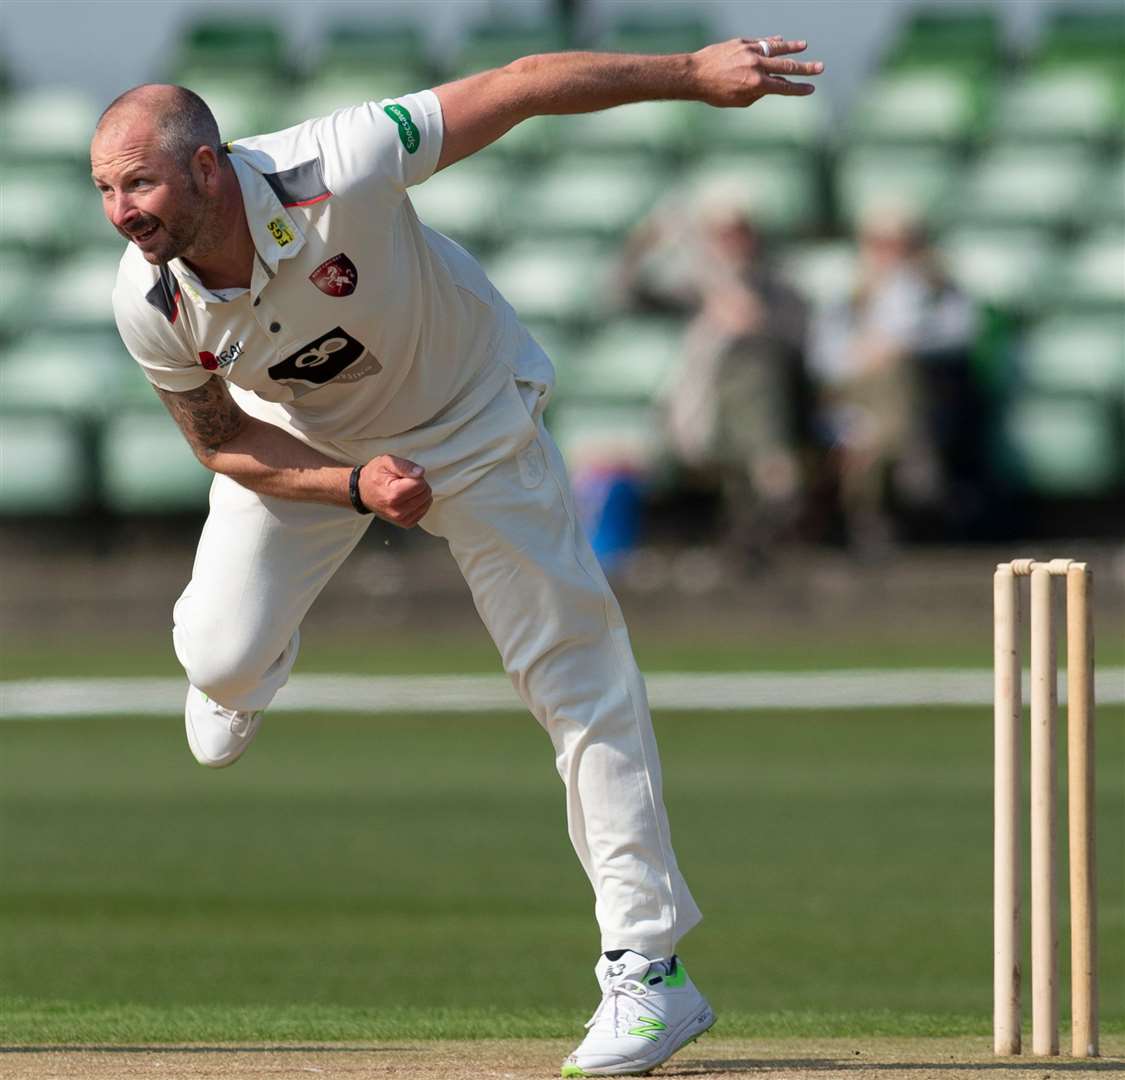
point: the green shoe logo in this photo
(648, 1028)
(407, 129)
(677, 977)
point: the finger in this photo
(403, 504)
(409, 520)
(777, 85)
(398, 466)
(776, 45)
(406, 490)
(782, 66)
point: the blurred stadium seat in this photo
(1065, 446)
(1077, 353)
(1006, 267)
(657, 28)
(927, 107)
(588, 194)
(772, 122)
(47, 123)
(1026, 185)
(147, 467)
(469, 202)
(777, 188)
(661, 128)
(78, 374)
(915, 181)
(1091, 275)
(495, 43)
(1059, 105)
(229, 43)
(823, 271)
(43, 466)
(629, 360)
(566, 281)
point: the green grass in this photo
(410, 877)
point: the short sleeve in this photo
(163, 358)
(396, 141)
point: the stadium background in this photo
(334, 883)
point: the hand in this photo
(396, 490)
(735, 74)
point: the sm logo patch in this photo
(322, 360)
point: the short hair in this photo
(184, 122)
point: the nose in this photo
(120, 210)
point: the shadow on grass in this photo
(79, 1048)
(860, 1064)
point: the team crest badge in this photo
(336, 276)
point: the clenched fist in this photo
(738, 72)
(395, 489)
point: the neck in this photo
(228, 262)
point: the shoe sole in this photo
(211, 763)
(573, 1071)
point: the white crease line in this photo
(862, 689)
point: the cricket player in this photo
(329, 357)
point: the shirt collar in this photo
(275, 234)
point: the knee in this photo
(223, 665)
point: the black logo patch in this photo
(319, 361)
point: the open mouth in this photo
(148, 234)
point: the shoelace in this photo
(619, 1006)
(239, 721)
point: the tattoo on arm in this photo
(207, 415)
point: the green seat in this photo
(80, 374)
(927, 107)
(596, 195)
(20, 274)
(49, 122)
(656, 127)
(939, 33)
(79, 294)
(1065, 446)
(244, 104)
(491, 46)
(824, 271)
(658, 30)
(1026, 186)
(343, 88)
(46, 206)
(529, 142)
(1097, 35)
(629, 360)
(233, 44)
(565, 280)
(467, 201)
(1092, 273)
(915, 181)
(1005, 267)
(148, 467)
(778, 189)
(1059, 104)
(1104, 203)
(374, 46)
(1077, 354)
(771, 122)
(590, 434)
(43, 465)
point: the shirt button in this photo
(257, 300)
(274, 327)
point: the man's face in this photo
(147, 197)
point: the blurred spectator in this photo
(737, 406)
(892, 363)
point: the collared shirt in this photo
(360, 324)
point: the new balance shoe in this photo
(218, 737)
(649, 1010)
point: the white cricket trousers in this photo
(544, 599)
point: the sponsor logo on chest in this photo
(323, 359)
(212, 361)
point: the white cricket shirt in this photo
(363, 331)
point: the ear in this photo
(206, 168)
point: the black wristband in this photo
(353, 491)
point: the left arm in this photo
(476, 111)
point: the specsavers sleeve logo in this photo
(407, 129)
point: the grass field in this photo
(409, 878)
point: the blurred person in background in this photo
(880, 358)
(328, 357)
(737, 406)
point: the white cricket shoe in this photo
(649, 1010)
(218, 737)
